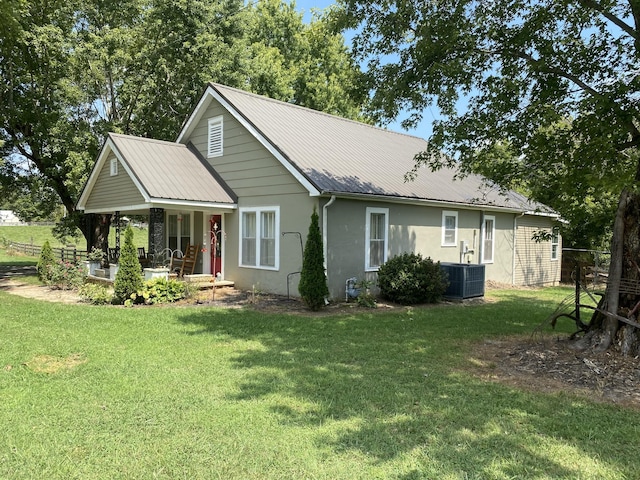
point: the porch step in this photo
(204, 280)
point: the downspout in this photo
(325, 223)
(515, 236)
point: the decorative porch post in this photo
(156, 231)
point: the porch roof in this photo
(165, 174)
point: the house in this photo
(246, 172)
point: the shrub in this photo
(409, 279)
(65, 275)
(159, 290)
(95, 294)
(45, 261)
(365, 297)
(129, 277)
(313, 281)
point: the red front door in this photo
(215, 230)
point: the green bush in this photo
(129, 277)
(409, 279)
(159, 290)
(95, 294)
(313, 281)
(65, 275)
(45, 261)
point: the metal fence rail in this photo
(69, 253)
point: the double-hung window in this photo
(449, 228)
(377, 237)
(555, 243)
(488, 236)
(179, 235)
(259, 237)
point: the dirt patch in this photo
(51, 365)
(39, 292)
(549, 363)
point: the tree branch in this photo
(542, 67)
(612, 18)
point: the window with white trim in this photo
(376, 237)
(259, 237)
(179, 231)
(214, 137)
(555, 243)
(488, 236)
(113, 167)
(449, 228)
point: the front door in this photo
(215, 230)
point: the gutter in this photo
(325, 223)
(515, 236)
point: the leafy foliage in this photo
(541, 96)
(409, 279)
(313, 281)
(95, 294)
(45, 261)
(65, 275)
(129, 276)
(71, 71)
(159, 290)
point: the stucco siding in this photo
(412, 228)
(246, 165)
(110, 191)
(533, 263)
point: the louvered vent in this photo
(214, 148)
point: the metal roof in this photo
(341, 156)
(172, 171)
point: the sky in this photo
(423, 129)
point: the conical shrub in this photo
(313, 280)
(129, 276)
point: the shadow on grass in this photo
(388, 384)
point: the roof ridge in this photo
(313, 111)
(145, 139)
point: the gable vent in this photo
(214, 148)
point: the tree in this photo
(313, 280)
(129, 275)
(554, 84)
(71, 71)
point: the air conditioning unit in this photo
(465, 280)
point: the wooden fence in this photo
(68, 253)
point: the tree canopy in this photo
(71, 71)
(541, 96)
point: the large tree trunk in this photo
(622, 297)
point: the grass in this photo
(37, 235)
(157, 392)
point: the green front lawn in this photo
(198, 392)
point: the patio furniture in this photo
(189, 260)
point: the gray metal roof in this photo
(341, 156)
(172, 171)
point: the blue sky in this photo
(424, 128)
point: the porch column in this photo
(156, 230)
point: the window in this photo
(449, 229)
(214, 137)
(179, 231)
(377, 228)
(114, 167)
(488, 235)
(259, 237)
(555, 243)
